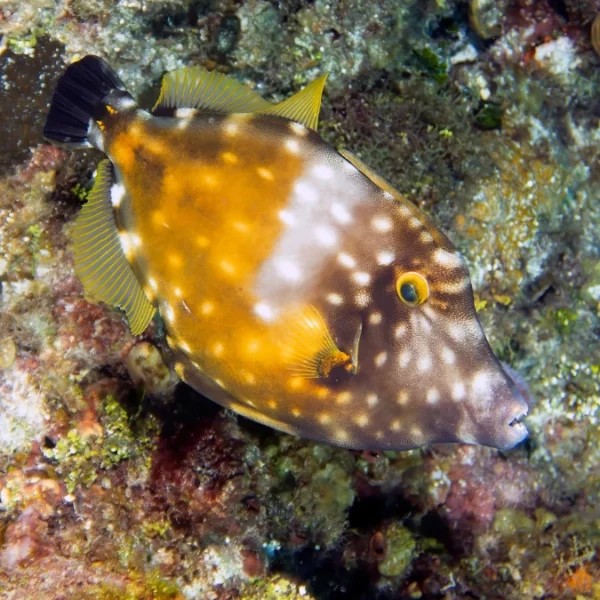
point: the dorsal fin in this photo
(100, 263)
(303, 107)
(197, 88)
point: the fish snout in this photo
(507, 408)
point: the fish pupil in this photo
(409, 293)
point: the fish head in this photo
(424, 369)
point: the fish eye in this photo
(412, 288)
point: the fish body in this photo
(296, 287)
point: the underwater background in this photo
(115, 482)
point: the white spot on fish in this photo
(456, 287)
(457, 332)
(207, 307)
(335, 299)
(324, 418)
(424, 363)
(287, 217)
(361, 278)
(481, 384)
(324, 172)
(404, 358)
(382, 224)
(126, 243)
(446, 259)
(343, 398)
(346, 260)
(416, 432)
(362, 420)
(426, 237)
(117, 193)
(341, 214)
(152, 283)
(400, 331)
(414, 223)
(264, 311)
(448, 356)
(292, 145)
(185, 113)
(395, 425)
(230, 128)
(385, 258)
(288, 270)
(183, 123)
(326, 236)
(265, 173)
(169, 313)
(375, 318)
(177, 291)
(380, 359)
(458, 391)
(433, 396)
(362, 299)
(372, 400)
(402, 398)
(298, 129)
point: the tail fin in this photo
(80, 98)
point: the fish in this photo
(296, 286)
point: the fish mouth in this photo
(515, 426)
(517, 422)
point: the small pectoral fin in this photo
(308, 348)
(195, 87)
(303, 107)
(100, 263)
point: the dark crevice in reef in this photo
(27, 83)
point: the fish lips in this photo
(505, 428)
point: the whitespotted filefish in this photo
(296, 286)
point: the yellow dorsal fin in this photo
(100, 262)
(195, 87)
(303, 107)
(308, 348)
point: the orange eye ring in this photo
(412, 288)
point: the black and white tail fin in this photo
(85, 93)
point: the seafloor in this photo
(115, 483)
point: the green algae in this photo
(150, 586)
(433, 64)
(400, 551)
(274, 588)
(508, 522)
(79, 460)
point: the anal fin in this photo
(100, 262)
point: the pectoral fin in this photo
(308, 348)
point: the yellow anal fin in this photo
(100, 262)
(303, 107)
(195, 87)
(308, 348)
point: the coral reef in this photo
(117, 483)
